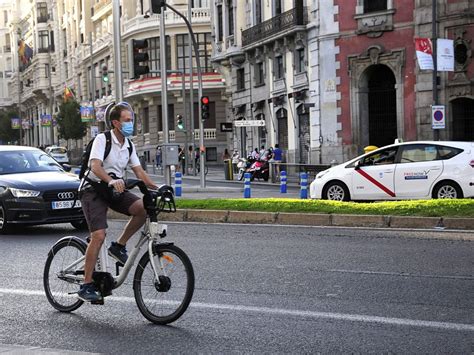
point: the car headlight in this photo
(24, 193)
(321, 174)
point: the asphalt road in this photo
(264, 289)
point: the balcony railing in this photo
(278, 24)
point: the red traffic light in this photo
(205, 100)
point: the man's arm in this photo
(142, 175)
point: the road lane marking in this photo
(403, 274)
(288, 312)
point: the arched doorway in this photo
(303, 133)
(378, 104)
(382, 105)
(463, 119)
(282, 118)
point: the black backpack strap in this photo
(130, 147)
(108, 144)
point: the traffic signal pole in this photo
(164, 93)
(199, 72)
(118, 79)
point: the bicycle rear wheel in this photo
(60, 280)
(164, 300)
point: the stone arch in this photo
(360, 71)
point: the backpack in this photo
(108, 145)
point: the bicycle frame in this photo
(151, 233)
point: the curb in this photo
(310, 219)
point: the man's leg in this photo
(92, 253)
(135, 223)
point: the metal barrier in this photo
(293, 171)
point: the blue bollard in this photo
(283, 182)
(178, 182)
(247, 185)
(304, 185)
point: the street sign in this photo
(226, 126)
(438, 117)
(250, 123)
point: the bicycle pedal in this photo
(100, 302)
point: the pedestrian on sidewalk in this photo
(277, 158)
(235, 160)
(226, 155)
(158, 157)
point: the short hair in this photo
(117, 112)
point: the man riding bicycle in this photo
(103, 187)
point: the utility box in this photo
(169, 154)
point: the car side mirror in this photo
(357, 165)
(66, 167)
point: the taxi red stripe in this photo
(376, 183)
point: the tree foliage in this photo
(7, 134)
(69, 121)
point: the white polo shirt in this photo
(118, 158)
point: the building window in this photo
(299, 60)
(205, 50)
(146, 120)
(278, 67)
(219, 23)
(200, 3)
(230, 21)
(42, 10)
(5, 18)
(278, 8)
(259, 74)
(51, 37)
(258, 11)
(240, 79)
(374, 5)
(43, 37)
(153, 51)
(461, 53)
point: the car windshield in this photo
(26, 161)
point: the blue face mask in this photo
(127, 129)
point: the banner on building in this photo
(25, 123)
(100, 114)
(45, 120)
(424, 53)
(16, 123)
(445, 54)
(87, 113)
(25, 54)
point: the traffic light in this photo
(105, 74)
(138, 58)
(157, 5)
(179, 122)
(204, 108)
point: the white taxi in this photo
(58, 153)
(410, 170)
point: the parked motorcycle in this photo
(242, 165)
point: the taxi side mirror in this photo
(357, 165)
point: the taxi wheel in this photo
(447, 189)
(3, 220)
(336, 191)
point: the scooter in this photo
(243, 165)
(260, 169)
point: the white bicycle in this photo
(163, 283)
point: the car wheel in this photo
(80, 225)
(3, 220)
(336, 191)
(447, 190)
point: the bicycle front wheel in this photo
(63, 273)
(165, 299)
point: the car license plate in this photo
(56, 205)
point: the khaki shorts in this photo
(95, 208)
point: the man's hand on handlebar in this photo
(118, 185)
